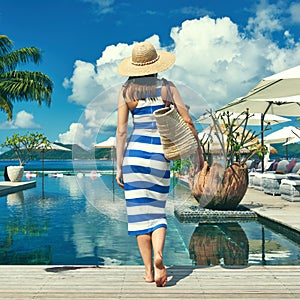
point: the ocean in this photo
(69, 167)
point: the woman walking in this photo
(142, 169)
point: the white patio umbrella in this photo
(45, 148)
(49, 147)
(53, 146)
(278, 94)
(110, 143)
(292, 141)
(284, 135)
(254, 119)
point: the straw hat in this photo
(145, 60)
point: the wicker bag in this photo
(176, 137)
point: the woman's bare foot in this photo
(148, 277)
(160, 272)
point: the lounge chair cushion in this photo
(281, 167)
(296, 168)
(289, 167)
(291, 181)
(273, 165)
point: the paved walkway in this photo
(273, 208)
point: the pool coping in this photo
(9, 187)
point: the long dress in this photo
(146, 171)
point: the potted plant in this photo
(222, 184)
(23, 147)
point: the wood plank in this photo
(125, 282)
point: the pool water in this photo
(79, 220)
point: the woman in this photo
(142, 169)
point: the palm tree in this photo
(17, 85)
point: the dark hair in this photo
(140, 87)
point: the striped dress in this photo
(146, 172)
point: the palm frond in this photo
(10, 61)
(26, 85)
(21, 85)
(7, 107)
(5, 44)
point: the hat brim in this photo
(165, 61)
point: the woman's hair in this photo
(140, 87)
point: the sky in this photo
(222, 48)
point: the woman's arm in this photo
(183, 111)
(121, 135)
(181, 107)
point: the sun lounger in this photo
(284, 170)
(290, 188)
(270, 181)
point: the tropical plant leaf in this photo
(5, 44)
(10, 61)
(25, 85)
(6, 106)
(17, 85)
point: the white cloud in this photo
(102, 6)
(194, 11)
(215, 59)
(23, 120)
(295, 12)
(89, 81)
(76, 134)
(83, 83)
(266, 19)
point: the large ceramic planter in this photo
(15, 173)
(219, 188)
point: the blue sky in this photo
(222, 48)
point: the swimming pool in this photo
(78, 220)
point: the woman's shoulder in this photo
(167, 82)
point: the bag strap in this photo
(169, 93)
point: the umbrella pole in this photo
(286, 151)
(113, 171)
(43, 179)
(262, 135)
(262, 141)
(263, 254)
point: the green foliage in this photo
(25, 145)
(240, 144)
(16, 85)
(181, 164)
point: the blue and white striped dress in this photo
(146, 171)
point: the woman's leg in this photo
(145, 247)
(158, 242)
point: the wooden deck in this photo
(118, 282)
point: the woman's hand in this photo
(119, 179)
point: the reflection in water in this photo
(40, 256)
(99, 195)
(223, 243)
(15, 198)
(79, 222)
(22, 221)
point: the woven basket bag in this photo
(176, 137)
